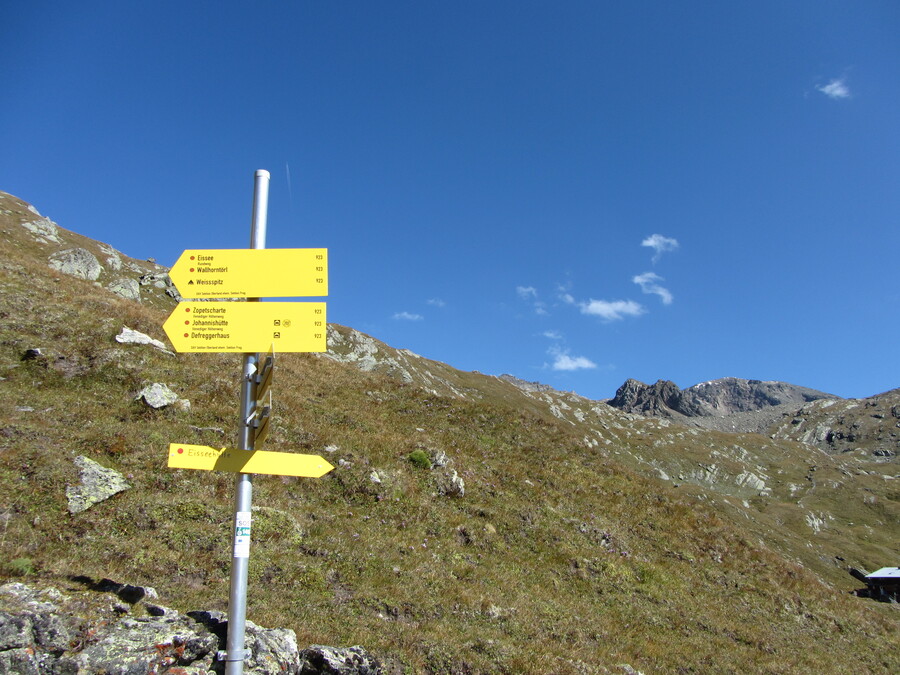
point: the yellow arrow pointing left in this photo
(251, 273)
(205, 458)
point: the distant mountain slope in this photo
(867, 427)
(585, 537)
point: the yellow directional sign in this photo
(205, 458)
(251, 273)
(247, 326)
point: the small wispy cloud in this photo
(436, 302)
(835, 89)
(660, 245)
(613, 310)
(408, 316)
(562, 360)
(552, 335)
(649, 283)
(530, 294)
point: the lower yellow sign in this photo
(205, 458)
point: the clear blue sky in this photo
(572, 192)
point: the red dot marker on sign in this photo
(187, 323)
(180, 450)
(187, 309)
(185, 335)
(192, 257)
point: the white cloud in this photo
(408, 316)
(660, 244)
(567, 298)
(648, 281)
(835, 89)
(612, 310)
(552, 335)
(563, 361)
(530, 294)
(437, 302)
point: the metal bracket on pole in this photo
(240, 655)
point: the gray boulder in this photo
(450, 484)
(77, 262)
(129, 289)
(322, 660)
(157, 395)
(98, 484)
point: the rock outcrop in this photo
(77, 262)
(98, 483)
(660, 400)
(114, 629)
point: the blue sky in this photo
(575, 193)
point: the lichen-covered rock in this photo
(157, 395)
(98, 483)
(145, 644)
(322, 660)
(44, 631)
(128, 288)
(450, 484)
(77, 262)
(44, 230)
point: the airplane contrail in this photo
(287, 171)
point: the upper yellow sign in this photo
(252, 273)
(247, 326)
(205, 458)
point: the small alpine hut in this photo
(884, 584)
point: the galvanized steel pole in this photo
(237, 599)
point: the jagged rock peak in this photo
(716, 398)
(659, 399)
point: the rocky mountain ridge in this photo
(752, 405)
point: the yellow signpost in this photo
(247, 326)
(205, 458)
(251, 273)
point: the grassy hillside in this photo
(568, 552)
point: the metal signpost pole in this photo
(237, 600)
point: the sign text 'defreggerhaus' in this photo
(247, 327)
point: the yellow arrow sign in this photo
(247, 326)
(251, 273)
(205, 458)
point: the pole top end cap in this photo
(262, 173)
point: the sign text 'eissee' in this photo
(251, 273)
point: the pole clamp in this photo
(239, 655)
